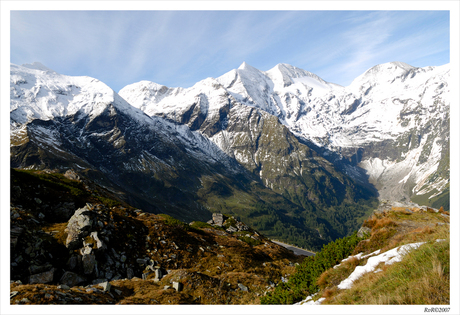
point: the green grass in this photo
(200, 225)
(249, 240)
(169, 220)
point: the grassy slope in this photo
(422, 277)
(211, 261)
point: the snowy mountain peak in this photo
(248, 68)
(284, 75)
(390, 67)
(386, 72)
(244, 65)
(36, 93)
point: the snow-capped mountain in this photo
(61, 122)
(392, 121)
(276, 146)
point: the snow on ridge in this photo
(389, 257)
(45, 94)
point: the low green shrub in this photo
(304, 281)
(249, 240)
(200, 225)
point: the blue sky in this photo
(180, 48)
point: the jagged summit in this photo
(245, 66)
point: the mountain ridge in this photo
(345, 120)
(224, 119)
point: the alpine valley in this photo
(299, 159)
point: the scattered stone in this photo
(232, 229)
(86, 250)
(142, 261)
(145, 275)
(71, 279)
(70, 174)
(109, 275)
(241, 226)
(118, 291)
(178, 286)
(158, 274)
(34, 269)
(115, 254)
(63, 287)
(44, 277)
(41, 216)
(363, 231)
(89, 262)
(129, 273)
(25, 300)
(15, 232)
(13, 294)
(105, 286)
(242, 287)
(73, 261)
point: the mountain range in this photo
(300, 159)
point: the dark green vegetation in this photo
(303, 282)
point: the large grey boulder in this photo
(78, 227)
(218, 219)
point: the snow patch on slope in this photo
(388, 257)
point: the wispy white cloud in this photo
(181, 47)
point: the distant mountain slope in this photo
(61, 122)
(392, 121)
